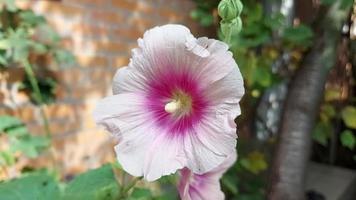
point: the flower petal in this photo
(213, 140)
(164, 157)
(206, 186)
(128, 80)
(120, 113)
(226, 94)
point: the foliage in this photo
(96, 184)
(25, 36)
(38, 185)
(20, 141)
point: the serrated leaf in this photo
(39, 186)
(97, 184)
(8, 122)
(349, 116)
(348, 139)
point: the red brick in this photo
(26, 113)
(109, 17)
(112, 47)
(95, 3)
(87, 30)
(120, 61)
(53, 7)
(129, 33)
(92, 61)
(60, 111)
(135, 6)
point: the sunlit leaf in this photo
(6, 158)
(10, 5)
(349, 116)
(8, 122)
(348, 139)
(332, 94)
(255, 162)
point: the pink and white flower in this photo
(205, 186)
(174, 104)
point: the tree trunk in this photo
(301, 109)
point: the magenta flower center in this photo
(176, 101)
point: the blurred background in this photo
(297, 131)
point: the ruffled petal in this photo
(120, 113)
(217, 65)
(128, 80)
(225, 94)
(210, 144)
(164, 157)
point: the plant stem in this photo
(38, 95)
(126, 189)
(227, 38)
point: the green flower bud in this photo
(232, 27)
(230, 9)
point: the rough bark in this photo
(301, 108)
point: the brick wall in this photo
(101, 34)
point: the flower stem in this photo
(228, 36)
(38, 96)
(125, 190)
(39, 100)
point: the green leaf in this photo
(141, 194)
(8, 122)
(345, 4)
(349, 116)
(29, 145)
(29, 17)
(327, 2)
(6, 158)
(10, 5)
(17, 131)
(230, 183)
(262, 76)
(300, 35)
(322, 133)
(64, 56)
(348, 139)
(4, 44)
(98, 184)
(255, 162)
(39, 186)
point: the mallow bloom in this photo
(174, 104)
(204, 186)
